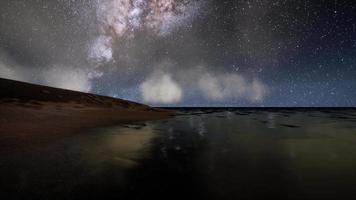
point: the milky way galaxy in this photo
(121, 18)
(186, 52)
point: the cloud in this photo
(8, 72)
(258, 90)
(225, 86)
(59, 76)
(161, 88)
(67, 78)
(166, 86)
(9, 69)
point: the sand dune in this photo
(33, 114)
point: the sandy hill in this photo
(26, 94)
(34, 113)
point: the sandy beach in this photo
(32, 114)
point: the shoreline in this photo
(32, 114)
(25, 125)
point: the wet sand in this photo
(197, 154)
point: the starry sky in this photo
(186, 52)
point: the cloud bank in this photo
(161, 88)
(10, 69)
(67, 78)
(167, 87)
(231, 86)
(8, 72)
(58, 76)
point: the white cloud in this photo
(210, 87)
(8, 72)
(166, 88)
(231, 86)
(161, 88)
(56, 76)
(258, 90)
(9, 69)
(67, 78)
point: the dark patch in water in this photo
(290, 125)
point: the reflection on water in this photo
(204, 154)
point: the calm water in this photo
(204, 154)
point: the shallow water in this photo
(200, 153)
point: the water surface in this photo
(200, 153)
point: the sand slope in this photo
(32, 113)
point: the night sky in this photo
(185, 52)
